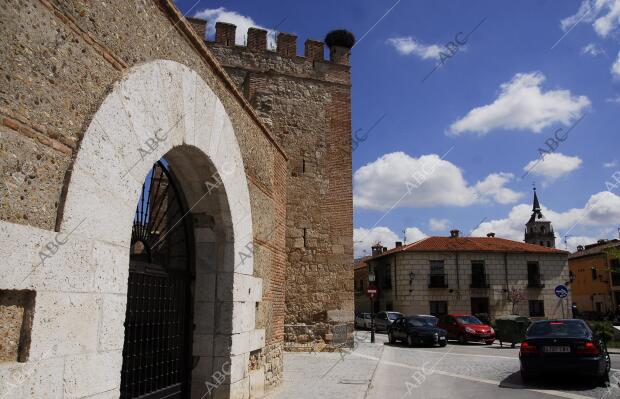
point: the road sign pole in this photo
(372, 319)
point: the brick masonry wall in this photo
(59, 61)
(414, 298)
(307, 104)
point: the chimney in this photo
(399, 244)
(286, 44)
(199, 25)
(490, 234)
(257, 39)
(313, 50)
(384, 249)
(579, 247)
(225, 33)
(377, 249)
(454, 233)
(340, 43)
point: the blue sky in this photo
(529, 69)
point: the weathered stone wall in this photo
(413, 296)
(59, 61)
(307, 102)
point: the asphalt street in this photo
(385, 371)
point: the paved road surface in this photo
(384, 371)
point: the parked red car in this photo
(466, 328)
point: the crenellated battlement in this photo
(286, 43)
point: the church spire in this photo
(536, 206)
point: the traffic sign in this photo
(372, 291)
(561, 291)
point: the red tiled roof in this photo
(471, 244)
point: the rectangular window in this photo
(594, 274)
(537, 308)
(478, 274)
(437, 275)
(534, 279)
(438, 308)
(387, 277)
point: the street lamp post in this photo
(371, 280)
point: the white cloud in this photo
(213, 15)
(522, 105)
(611, 164)
(399, 180)
(438, 224)
(493, 186)
(603, 14)
(553, 166)
(573, 241)
(409, 45)
(614, 100)
(615, 68)
(414, 234)
(601, 211)
(592, 49)
(364, 238)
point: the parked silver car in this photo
(385, 319)
(363, 320)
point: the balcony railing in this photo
(535, 281)
(479, 280)
(438, 281)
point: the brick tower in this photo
(306, 101)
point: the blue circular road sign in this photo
(561, 291)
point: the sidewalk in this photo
(333, 375)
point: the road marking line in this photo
(467, 354)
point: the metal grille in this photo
(156, 353)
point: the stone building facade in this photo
(306, 102)
(93, 95)
(439, 275)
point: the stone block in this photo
(64, 324)
(111, 267)
(111, 327)
(239, 287)
(41, 379)
(92, 373)
(257, 383)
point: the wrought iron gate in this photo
(157, 348)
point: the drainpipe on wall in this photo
(458, 278)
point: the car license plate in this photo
(442, 338)
(556, 349)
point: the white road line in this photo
(474, 379)
(467, 354)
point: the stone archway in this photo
(158, 109)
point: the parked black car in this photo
(417, 330)
(563, 346)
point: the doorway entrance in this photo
(158, 320)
